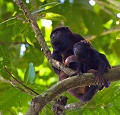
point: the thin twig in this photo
(4, 43)
(16, 17)
(72, 106)
(113, 30)
(20, 82)
(108, 11)
(21, 89)
(115, 3)
(108, 5)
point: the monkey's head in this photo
(80, 50)
(60, 39)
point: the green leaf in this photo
(116, 110)
(55, 17)
(30, 37)
(11, 21)
(102, 111)
(9, 98)
(5, 62)
(83, 4)
(12, 97)
(45, 7)
(19, 27)
(30, 74)
(116, 48)
(93, 22)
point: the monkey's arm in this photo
(56, 55)
(105, 59)
(99, 79)
(70, 59)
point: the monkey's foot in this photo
(101, 81)
(58, 106)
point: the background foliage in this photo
(23, 64)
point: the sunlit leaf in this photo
(30, 37)
(5, 62)
(84, 4)
(55, 17)
(11, 98)
(92, 22)
(18, 28)
(29, 74)
(115, 47)
(46, 6)
(7, 99)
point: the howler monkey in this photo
(85, 54)
(63, 40)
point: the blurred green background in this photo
(21, 57)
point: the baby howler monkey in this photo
(85, 54)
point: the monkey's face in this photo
(60, 39)
(56, 37)
(59, 35)
(80, 50)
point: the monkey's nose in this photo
(52, 36)
(75, 50)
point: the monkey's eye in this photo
(57, 32)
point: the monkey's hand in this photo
(95, 73)
(70, 59)
(101, 81)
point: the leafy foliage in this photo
(30, 74)
(21, 57)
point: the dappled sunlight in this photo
(22, 49)
(46, 23)
(27, 1)
(92, 2)
(117, 22)
(118, 15)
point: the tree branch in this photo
(86, 79)
(35, 28)
(113, 30)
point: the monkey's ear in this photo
(67, 27)
(86, 43)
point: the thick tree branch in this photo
(86, 79)
(35, 28)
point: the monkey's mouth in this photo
(55, 42)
